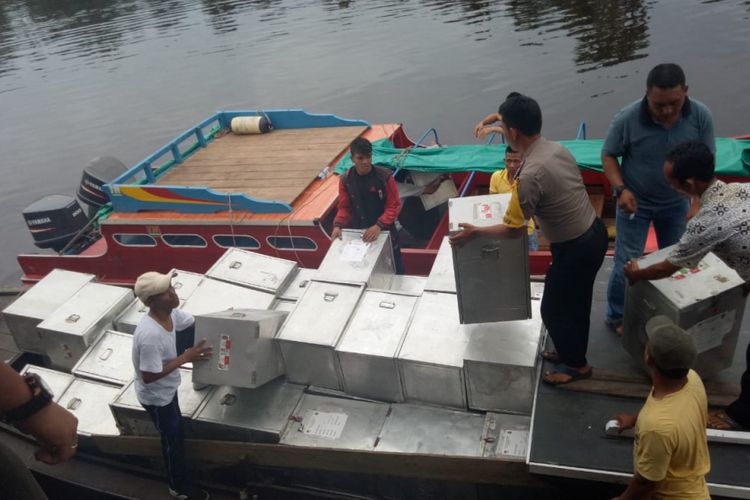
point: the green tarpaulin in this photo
(732, 157)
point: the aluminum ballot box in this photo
(501, 363)
(368, 348)
(89, 402)
(57, 382)
(350, 260)
(213, 296)
(431, 358)
(313, 329)
(37, 303)
(297, 285)
(75, 325)
(706, 301)
(492, 274)
(441, 277)
(253, 270)
(109, 359)
(256, 415)
(244, 351)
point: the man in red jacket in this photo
(368, 199)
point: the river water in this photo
(86, 78)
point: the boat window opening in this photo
(135, 240)
(184, 240)
(300, 243)
(236, 241)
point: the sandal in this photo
(570, 372)
(550, 356)
(615, 325)
(721, 421)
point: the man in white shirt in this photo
(157, 377)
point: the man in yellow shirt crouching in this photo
(670, 452)
(502, 182)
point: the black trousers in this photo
(168, 421)
(568, 289)
(740, 409)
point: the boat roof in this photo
(283, 166)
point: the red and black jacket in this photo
(367, 200)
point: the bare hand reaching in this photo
(199, 352)
(56, 430)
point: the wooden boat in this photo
(209, 189)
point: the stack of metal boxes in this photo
(244, 351)
(184, 284)
(368, 348)
(312, 330)
(235, 414)
(330, 422)
(41, 300)
(133, 420)
(77, 323)
(431, 357)
(501, 363)
(485, 261)
(442, 278)
(57, 381)
(294, 289)
(89, 402)
(109, 359)
(212, 296)
(253, 270)
(706, 301)
(350, 260)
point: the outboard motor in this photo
(98, 172)
(54, 220)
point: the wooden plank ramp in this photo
(274, 166)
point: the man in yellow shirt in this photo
(502, 181)
(670, 452)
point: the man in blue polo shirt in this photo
(641, 134)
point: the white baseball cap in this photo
(152, 283)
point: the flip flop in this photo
(567, 370)
(614, 325)
(550, 356)
(721, 421)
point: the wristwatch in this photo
(617, 190)
(41, 396)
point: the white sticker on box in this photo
(709, 333)
(225, 348)
(512, 443)
(354, 251)
(324, 424)
(488, 212)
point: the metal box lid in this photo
(109, 359)
(57, 381)
(266, 408)
(350, 260)
(434, 336)
(402, 283)
(285, 305)
(253, 270)
(436, 431)
(89, 402)
(513, 343)
(214, 296)
(688, 286)
(297, 285)
(84, 310)
(185, 282)
(378, 324)
(329, 422)
(485, 210)
(189, 398)
(442, 278)
(48, 294)
(322, 313)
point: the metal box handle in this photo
(304, 283)
(73, 318)
(235, 265)
(176, 285)
(387, 304)
(330, 296)
(229, 399)
(74, 403)
(491, 252)
(106, 353)
(238, 315)
(649, 305)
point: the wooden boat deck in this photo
(274, 166)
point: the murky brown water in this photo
(84, 78)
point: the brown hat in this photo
(152, 283)
(671, 347)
